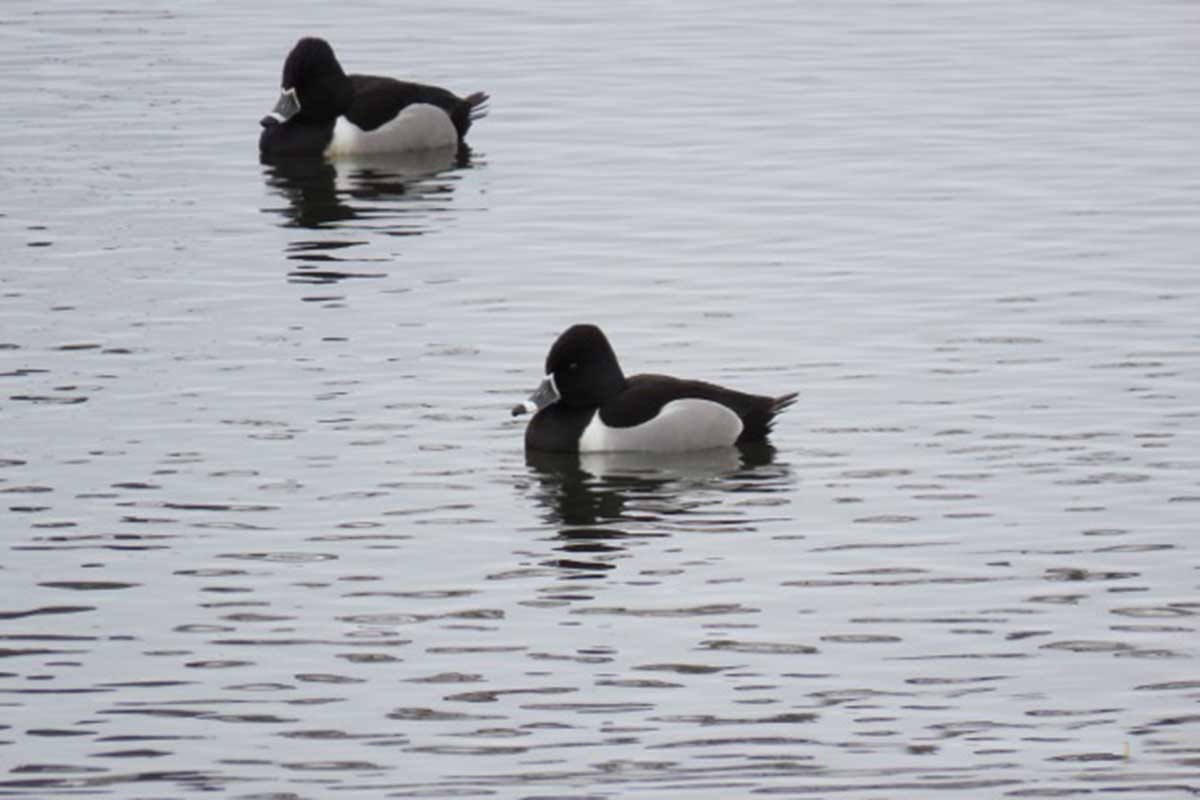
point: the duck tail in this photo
(783, 402)
(760, 418)
(778, 406)
(478, 104)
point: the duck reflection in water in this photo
(320, 192)
(400, 194)
(600, 500)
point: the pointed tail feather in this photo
(778, 406)
(784, 402)
(478, 103)
(759, 418)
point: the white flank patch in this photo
(681, 425)
(417, 127)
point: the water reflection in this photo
(394, 195)
(609, 509)
(631, 489)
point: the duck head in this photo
(581, 372)
(315, 87)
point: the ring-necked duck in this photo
(325, 112)
(586, 404)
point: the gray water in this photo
(268, 531)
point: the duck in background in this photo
(325, 112)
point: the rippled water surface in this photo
(268, 531)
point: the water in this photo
(268, 530)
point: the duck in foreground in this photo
(325, 112)
(587, 405)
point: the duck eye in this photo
(573, 365)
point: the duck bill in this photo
(545, 394)
(285, 108)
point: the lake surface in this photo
(267, 529)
